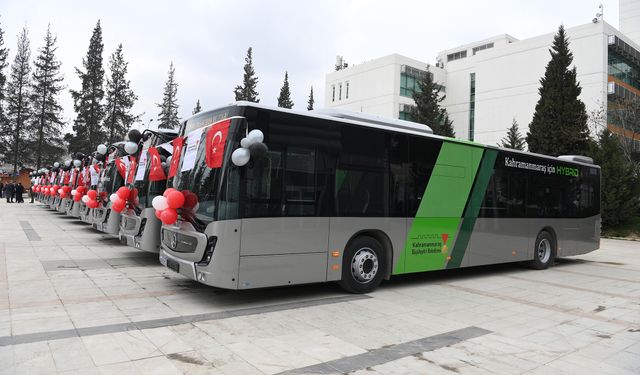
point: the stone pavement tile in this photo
(125, 368)
(54, 323)
(135, 345)
(238, 367)
(70, 354)
(104, 349)
(34, 358)
(93, 314)
(625, 360)
(408, 365)
(192, 362)
(157, 366)
(166, 340)
(84, 371)
(6, 360)
(595, 366)
(260, 358)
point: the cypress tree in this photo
(87, 102)
(559, 124)
(247, 91)
(284, 99)
(168, 116)
(18, 103)
(4, 52)
(513, 139)
(311, 101)
(120, 98)
(620, 186)
(47, 120)
(428, 110)
(197, 108)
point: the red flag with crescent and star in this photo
(155, 172)
(122, 167)
(178, 143)
(132, 169)
(215, 142)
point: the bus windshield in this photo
(195, 176)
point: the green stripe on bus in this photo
(440, 212)
(473, 208)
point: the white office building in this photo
(493, 81)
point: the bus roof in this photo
(399, 126)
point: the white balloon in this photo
(56, 164)
(160, 203)
(74, 192)
(240, 157)
(67, 163)
(245, 142)
(77, 163)
(102, 149)
(255, 136)
(60, 191)
(130, 147)
(85, 198)
(113, 197)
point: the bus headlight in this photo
(208, 252)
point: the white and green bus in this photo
(345, 197)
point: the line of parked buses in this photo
(249, 196)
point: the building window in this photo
(472, 104)
(409, 78)
(340, 91)
(457, 55)
(480, 48)
(405, 112)
(346, 93)
(623, 67)
(333, 93)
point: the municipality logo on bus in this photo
(431, 243)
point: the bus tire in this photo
(544, 251)
(363, 265)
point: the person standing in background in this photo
(19, 193)
(8, 192)
(1, 190)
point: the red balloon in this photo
(159, 214)
(190, 200)
(133, 195)
(169, 216)
(77, 197)
(66, 189)
(175, 199)
(63, 194)
(118, 205)
(92, 194)
(168, 191)
(81, 189)
(123, 192)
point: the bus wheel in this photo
(363, 265)
(544, 252)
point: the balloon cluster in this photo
(167, 204)
(78, 193)
(121, 196)
(64, 191)
(91, 199)
(251, 145)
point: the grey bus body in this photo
(343, 183)
(139, 226)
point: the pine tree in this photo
(120, 98)
(513, 139)
(197, 108)
(88, 101)
(428, 110)
(284, 99)
(168, 116)
(46, 125)
(249, 82)
(559, 124)
(311, 101)
(4, 52)
(18, 104)
(620, 186)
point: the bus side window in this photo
(300, 182)
(264, 186)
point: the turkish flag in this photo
(178, 143)
(121, 166)
(216, 139)
(155, 172)
(66, 178)
(132, 170)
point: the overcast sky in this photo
(208, 40)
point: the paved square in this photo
(73, 300)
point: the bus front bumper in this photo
(185, 268)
